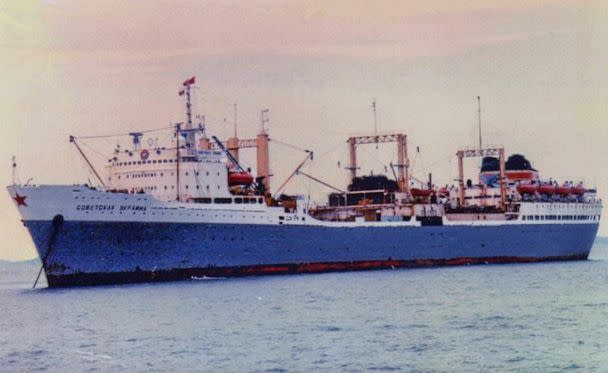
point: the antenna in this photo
(479, 118)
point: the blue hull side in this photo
(89, 253)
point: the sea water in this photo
(524, 317)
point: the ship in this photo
(189, 210)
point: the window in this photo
(238, 200)
(222, 200)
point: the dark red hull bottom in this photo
(92, 279)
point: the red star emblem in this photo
(20, 200)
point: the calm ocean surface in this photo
(533, 317)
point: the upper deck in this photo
(159, 172)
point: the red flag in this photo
(188, 82)
(181, 92)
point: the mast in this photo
(262, 154)
(233, 142)
(375, 120)
(189, 131)
(479, 119)
(190, 134)
(235, 136)
(14, 169)
(178, 134)
(188, 108)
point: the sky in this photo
(92, 68)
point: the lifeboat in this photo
(562, 190)
(239, 178)
(444, 192)
(421, 193)
(546, 189)
(579, 190)
(526, 189)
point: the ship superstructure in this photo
(190, 209)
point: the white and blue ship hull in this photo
(87, 237)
